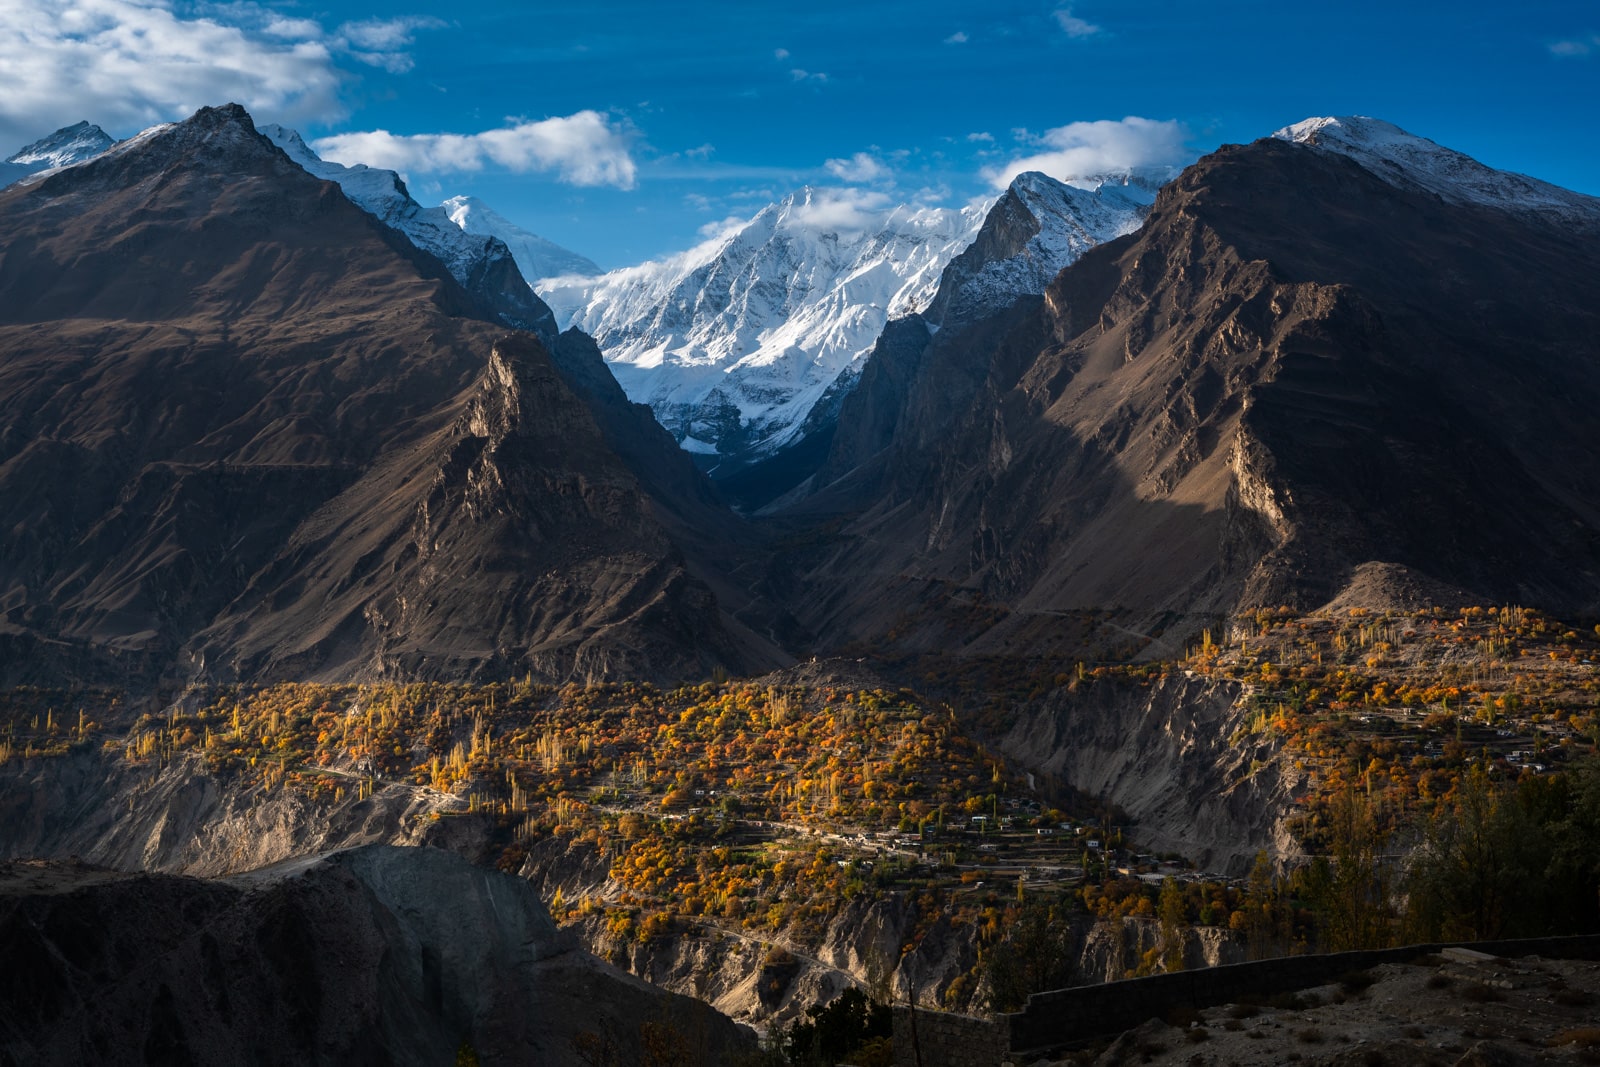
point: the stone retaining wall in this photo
(940, 1039)
(1062, 1016)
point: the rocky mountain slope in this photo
(378, 955)
(745, 344)
(1297, 367)
(246, 430)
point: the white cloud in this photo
(1072, 25)
(382, 42)
(1581, 46)
(292, 29)
(582, 149)
(807, 76)
(1089, 149)
(715, 231)
(126, 64)
(860, 167)
(984, 136)
(387, 35)
(780, 53)
(843, 209)
(959, 37)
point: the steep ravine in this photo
(1176, 754)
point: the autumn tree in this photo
(1350, 887)
(1173, 913)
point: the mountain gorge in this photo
(257, 429)
(1342, 362)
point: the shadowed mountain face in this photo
(246, 428)
(1297, 382)
(377, 955)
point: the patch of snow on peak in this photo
(1039, 227)
(535, 256)
(733, 342)
(1408, 161)
(67, 147)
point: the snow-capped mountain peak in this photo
(1410, 162)
(537, 257)
(1037, 227)
(734, 342)
(480, 262)
(70, 145)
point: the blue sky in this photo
(624, 130)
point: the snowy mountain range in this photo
(734, 342)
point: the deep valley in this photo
(1161, 572)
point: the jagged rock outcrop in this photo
(1036, 228)
(512, 540)
(380, 955)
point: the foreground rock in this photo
(1438, 1011)
(377, 956)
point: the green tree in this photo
(1479, 853)
(851, 1024)
(1035, 954)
